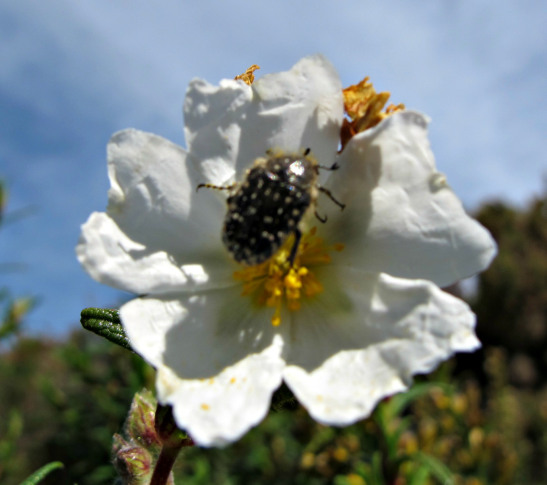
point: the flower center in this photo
(276, 282)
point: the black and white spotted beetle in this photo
(269, 204)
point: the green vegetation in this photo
(479, 419)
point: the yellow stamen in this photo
(248, 77)
(275, 282)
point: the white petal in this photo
(221, 409)
(308, 103)
(153, 197)
(349, 351)
(213, 118)
(229, 126)
(218, 360)
(401, 217)
(110, 257)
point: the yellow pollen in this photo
(276, 283)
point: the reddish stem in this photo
(165, 463)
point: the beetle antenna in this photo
(216, 187)
(334, 166)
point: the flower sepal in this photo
(167, 430)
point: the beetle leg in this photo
(321, 219)
(297, 237)
(331, 197)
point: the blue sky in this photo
(74, 72)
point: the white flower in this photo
(360, 312)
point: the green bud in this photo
(140, 420)
(133, 463)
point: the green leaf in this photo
(377, 471)
(420, 476)
(436, 467)
(392, 437)
(40, 474)
(398, 403)
(106, 323)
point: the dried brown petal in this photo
(248, 77)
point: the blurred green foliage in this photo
(68, 399)
(479, 419)
(12, 310)
(59, 401)
(511, 304)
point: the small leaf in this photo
(420, 476)
(106, 323)
(377, 471)
(40, 474)
(399, 402)
(436, 467)
(392, 437)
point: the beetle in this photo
(268, 205)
